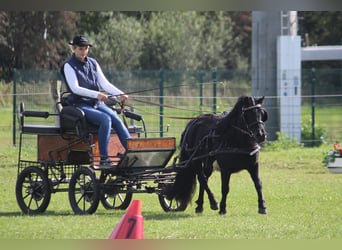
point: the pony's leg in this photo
(208, 170)
(225, 177)
(199, 201)
(254, 173)
(203, 183)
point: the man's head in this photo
(80, 40)
(80, 46)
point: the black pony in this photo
(232, 139)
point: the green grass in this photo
(303, 199)
(328, 118)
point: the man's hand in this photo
(124, 97)
(102, 97)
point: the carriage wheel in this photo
(83, 191)
(114, 194)
(32, 190)
(170, 205)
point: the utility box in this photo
(289, 85)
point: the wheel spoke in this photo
(83, 195)
(114, 194)
(80, 199)
(30, 201)
(36, 202)
(27, 195)
(32, 190)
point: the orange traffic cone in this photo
(131, 225)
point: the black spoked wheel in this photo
(114, 194)
(167, 204)
(83, 191)
(171, 205)
(33, 190)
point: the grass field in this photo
(304, 202)
(327, 118)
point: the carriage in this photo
(67, 156)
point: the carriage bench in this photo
(71, 142)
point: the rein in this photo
(243, 131)
(166, 106)
(167, 116)
(114, 100)
(228, 150)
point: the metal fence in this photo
(167, 99)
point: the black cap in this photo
(80, 40)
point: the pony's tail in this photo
(184, 186)
(185, 182)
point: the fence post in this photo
(14, 124)
(201, 89)
(313, 104)
(214, 77)
(161, 101)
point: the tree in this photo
(322, 28)
(190, 40)
(123, 40)
(218, 47)
(33, 40)
(118, 45)
(92, 21)
(171, 40)
(242, 35)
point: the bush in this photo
(283, 142)
(306, 134)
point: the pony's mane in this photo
(231, 117)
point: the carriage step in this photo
(105, 165)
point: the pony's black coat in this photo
(232, 140)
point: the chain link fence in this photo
(168, 99)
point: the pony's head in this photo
(253, 116)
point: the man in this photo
(85, 79)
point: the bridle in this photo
(248, 131)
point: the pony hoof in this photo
(199, 210)
(214, 206)
(222, 213)
(262, 211)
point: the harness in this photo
(221, 150)
(248, 131)
(225, 150)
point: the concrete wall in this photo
(266, 28)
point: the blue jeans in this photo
(105, 118)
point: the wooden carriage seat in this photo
(33, 128)
(72, 121)
(73, 141)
